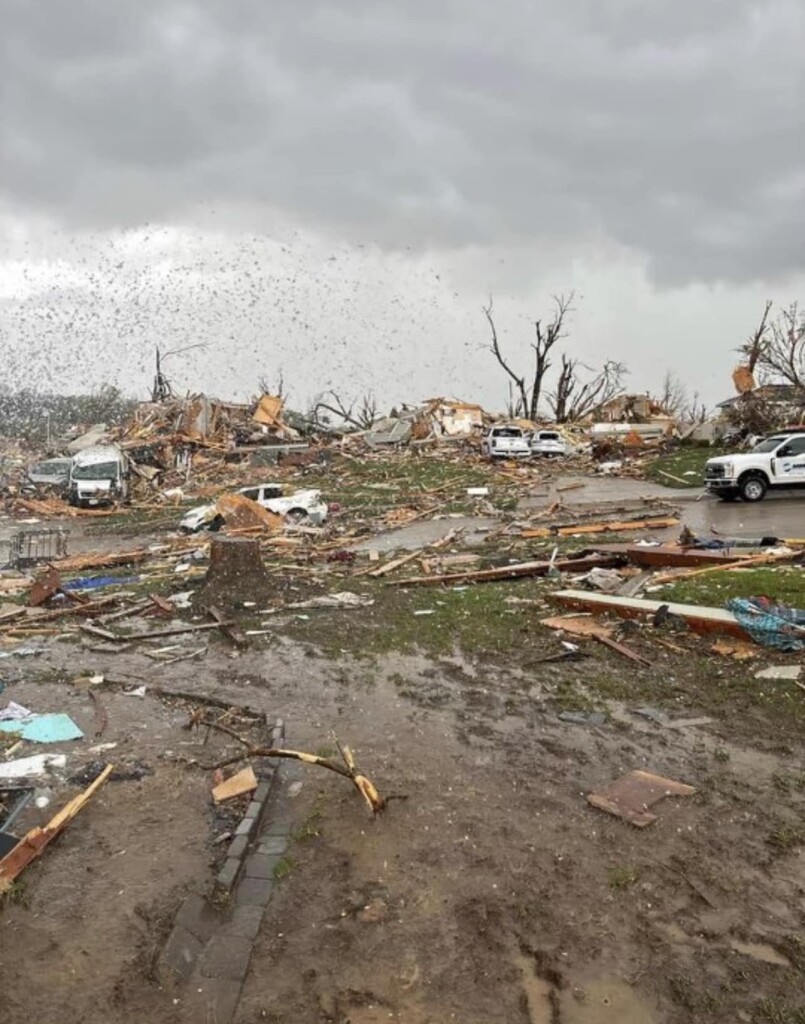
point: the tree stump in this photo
(236, 574)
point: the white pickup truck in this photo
(777, 461)
(506, 442)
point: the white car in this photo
(777, 462)
(506, 442)
(299, 507)
(549, 443)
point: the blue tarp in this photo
(91, 582)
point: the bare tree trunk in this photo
(519, 382)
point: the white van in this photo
(99, 476)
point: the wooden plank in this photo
(700, 618)
(242, 782)
(44, 586)
(752, 560)
(615, 526)
(154, 633)
(510, 572)
(667, 555)
(35, 841)
(231, 630)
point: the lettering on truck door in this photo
(791, 466)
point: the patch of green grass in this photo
(784, 584)
(788, 782)
(283, 868)
(475, 619)
(721, 755)
(685, 460)
(311, 827)
(15, 893)
(771, 1011)
(786, 838)
(623, 877)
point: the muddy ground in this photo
(489, 890)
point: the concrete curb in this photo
(249, 826)
(197, 923)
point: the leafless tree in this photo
(755, 345)
(361, 418)
(694, 411)
(277, 388)
(573, 399)
(782, 357)
(529, 387)
(673, 398)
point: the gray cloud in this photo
(672, 129)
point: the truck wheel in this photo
(753, 488)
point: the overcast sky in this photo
(332, 190)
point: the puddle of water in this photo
(760, 951)
(537, 990)
(606, 1001)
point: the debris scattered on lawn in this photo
(56, 728)
(34, 842)
(738, 649)
(14, 712)
(343, 599)
(792, 672)
(631, 796)
(772, 625)
(30, 767)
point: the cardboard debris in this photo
(241, 513)
(242, 782)
(738, 649)
(631, 796)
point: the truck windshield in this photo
(768, 445)
(507, 432)
(98, 471)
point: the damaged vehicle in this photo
(99, 476)
(53, 473)
(549, 443)
(507, 441)
(300, 507)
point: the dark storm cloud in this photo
(674, 129)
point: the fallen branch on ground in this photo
(349, 769)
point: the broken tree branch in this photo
(349, 769)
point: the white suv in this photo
(778, 461)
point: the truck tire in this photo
(753, 487)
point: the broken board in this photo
(242, 782)
(700, 618)
(631, 796)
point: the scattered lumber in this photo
(668, 555)
(154, 633)
(615, 526)
(511, 572)
(750, 562)
(700, 618)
